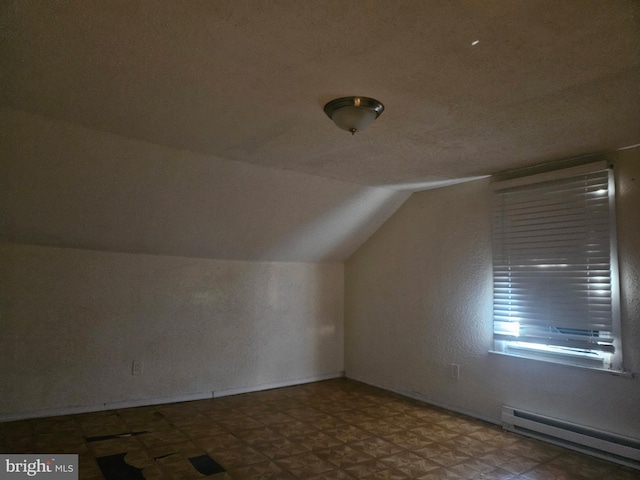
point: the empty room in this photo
(320, 239)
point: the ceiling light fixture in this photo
(353, 114)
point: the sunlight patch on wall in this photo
(340, 231)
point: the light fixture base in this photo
(353, 113)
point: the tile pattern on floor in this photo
(337, 429)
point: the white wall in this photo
(72, 321)
(418, 298)
(70, 186)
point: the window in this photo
(555, 287)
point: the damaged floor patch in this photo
(119, 466)
(115, 468)
(206, 465)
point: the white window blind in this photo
(554, 282)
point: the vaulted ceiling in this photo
(196, 128)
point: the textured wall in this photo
(418, 298)
(72, 322)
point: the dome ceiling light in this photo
(353, 114)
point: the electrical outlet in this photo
(455, 371)
(136, 367)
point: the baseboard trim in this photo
(144, 402)
(270, 386)
(425, 399)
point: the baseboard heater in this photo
(605, 445)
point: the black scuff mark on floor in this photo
(111, 437)
(165, 456)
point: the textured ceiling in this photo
(196, 128)
(246, 80)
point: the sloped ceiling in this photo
(196, 128)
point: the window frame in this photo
(592, 359)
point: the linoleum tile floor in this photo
(333, 430)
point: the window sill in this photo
(615, 373)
